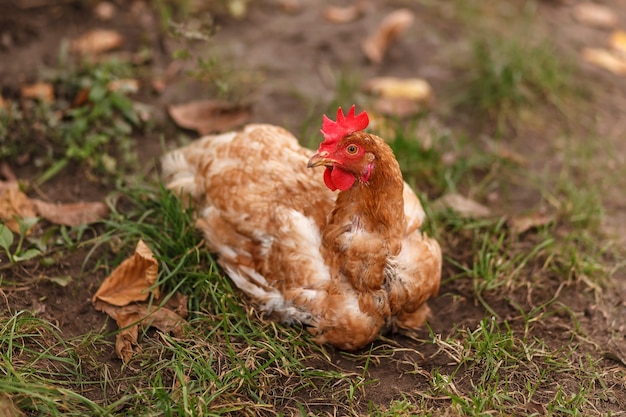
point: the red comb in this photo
(334, 131)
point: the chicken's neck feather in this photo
(366, 225)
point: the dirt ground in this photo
(296, 56)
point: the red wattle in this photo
(336, 178)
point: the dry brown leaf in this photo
(39, 91)
(132, 280)
(605, 59)
(596, 15)
(14, 205)
(618, 42)
(97, 41)
(209, 116)
(391, 28)
(8, 407)
(464, 206)
(73, 214)
(165, 318)
(521, 224)
(126, 85)
(338, 14)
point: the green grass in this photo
(514, 345)
(88, 124)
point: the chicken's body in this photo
(345, 265)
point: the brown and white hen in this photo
(347, 265)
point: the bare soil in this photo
(295, 55)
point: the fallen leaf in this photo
(8, 407)
(97, 41)
(596, 15)
(4, 104)
(390, 29)
(14, 205)
(416, 89)
(523, 223)
(125, 85)
(338, 14)
(605, 59)
(71, 214)
(104, 10)
(168, 318)
(536, 408)
(39, 91)
(208, 116)
(618, 42)
(132, 280)
(464, 206)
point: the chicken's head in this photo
(346, 150)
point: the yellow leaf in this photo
(416, 89)
(605, 59)
(618, 42)
(97, 41)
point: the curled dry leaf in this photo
(39, 91)
(605, 59)
(169, 318)
(14, 205)
(338, 14)
(596, 15)
(97, 41)
(73, 214)
(390, 29)
(521, 224)
(132, 280)
(209, 116)
(464, 206)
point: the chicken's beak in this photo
(320, 158)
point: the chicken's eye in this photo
(352, 149)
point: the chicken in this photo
(347, 265)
